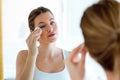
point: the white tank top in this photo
(62, 75)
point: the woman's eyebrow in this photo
(51, 19)
(40, 23)
(44, 22)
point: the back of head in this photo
(101, 29)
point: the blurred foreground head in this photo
(100, 25)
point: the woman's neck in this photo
(110, 75)
(47, 50)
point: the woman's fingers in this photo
(35, 35)
(78, 53)
(32, 39)
(74, 52)
(81, 54)
(76, 62)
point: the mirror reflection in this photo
(15, 26)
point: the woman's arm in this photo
(76, 63)
(25, 63)
(25, 66)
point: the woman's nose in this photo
(49, 28)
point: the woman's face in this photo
(47, 24)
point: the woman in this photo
(100, 25)
(45, 62)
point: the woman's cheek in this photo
(43, 36)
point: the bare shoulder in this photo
(22, 54)
(20, 61)
(21, 57)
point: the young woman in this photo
(100, 25)
(45, 62)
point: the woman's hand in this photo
(32, 39)
(76, 62)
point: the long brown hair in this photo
(101, 29)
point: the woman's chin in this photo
(52, 40)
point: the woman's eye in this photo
(42, 26)
(52, 23)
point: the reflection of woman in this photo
(100, 25)
(45, 62)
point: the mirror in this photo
(15, 26)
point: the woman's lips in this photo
(51, 35)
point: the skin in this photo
(47, 57)
(76, 65)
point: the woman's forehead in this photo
(44, 17)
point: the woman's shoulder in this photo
(22, 54)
